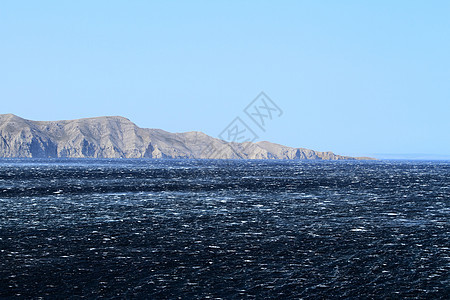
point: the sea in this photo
(224, 229)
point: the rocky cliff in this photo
(118, 137)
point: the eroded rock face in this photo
(118, 137)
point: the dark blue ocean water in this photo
(224, 229)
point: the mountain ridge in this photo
(118, 137)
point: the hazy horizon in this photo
(381, 156)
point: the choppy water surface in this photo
(224, 229)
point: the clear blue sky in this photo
(353, 77)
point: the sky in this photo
(352, 77)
